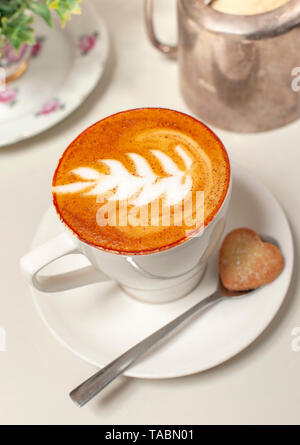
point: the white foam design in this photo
(140, 189)
(74, 187)
(87, 173)
(182, 153)
(168, 164)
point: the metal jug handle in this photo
(169, 50)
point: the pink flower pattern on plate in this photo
(37, 47)
(14, 56)
(87, 42)
(50, 107)
(9, 96)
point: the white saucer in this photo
(99, 322)
(63, 69)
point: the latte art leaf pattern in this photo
(140, 189)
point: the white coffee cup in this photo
(153, 278)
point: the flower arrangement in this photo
(17, 17)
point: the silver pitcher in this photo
(235, 70)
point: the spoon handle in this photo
(91, 387)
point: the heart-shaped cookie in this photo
(246, 262)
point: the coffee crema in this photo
(141, 181)
(247, 7)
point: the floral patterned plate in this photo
(65, 66)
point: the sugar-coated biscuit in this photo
(246, 262)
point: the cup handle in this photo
(168, 50)
(33, 263)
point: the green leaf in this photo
(17, 29)
(64, 8)
(42, 10)
(54, 4)
(16, 25)
(9, 7)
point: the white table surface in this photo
(260, 385)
